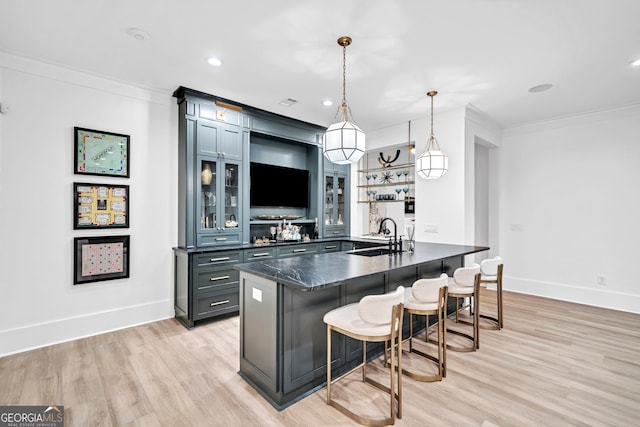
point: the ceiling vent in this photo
(288, 102)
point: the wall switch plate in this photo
(602, 280)
(430, 228)
(4, 108)
(516, 227)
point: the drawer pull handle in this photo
(337, 232)
(330, 247)
(226, 258)
(213, 304)
(213, 279)
(219, 239)
(300, 250)
(261, 254)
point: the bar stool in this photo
(465, 283)
(376, 318)
(491, 270)
(428, 297)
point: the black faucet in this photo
(394, 247)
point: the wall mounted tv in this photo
(278, 186)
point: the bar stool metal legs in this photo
(457, 290)
(492, 274)
(353, 322)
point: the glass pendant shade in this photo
(344, 143)
(433, 163)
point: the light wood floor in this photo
(554, 364)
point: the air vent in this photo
(288, 102)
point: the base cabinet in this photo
(206, 284)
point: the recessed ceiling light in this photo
(138, 34)
(327, 103)
(540, 88)
(288, 102)
(635, 63)
(216, 62)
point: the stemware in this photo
(399, 174)
(374, 176)
(406, 190)
(368, 178)
(398, 190)
(406, 175)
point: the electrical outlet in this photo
(602, 280)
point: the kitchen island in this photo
(282, 302)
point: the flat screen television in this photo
(278, 186)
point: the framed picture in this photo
(100, 258)
(100, 206)
(101, 153)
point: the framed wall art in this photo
(101, 153)
(100, 258)
(100, 206)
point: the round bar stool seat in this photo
(465, 283)
(376, 318)
(491, 270)
(425, 298)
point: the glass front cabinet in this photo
(336, 200)
(218, 206)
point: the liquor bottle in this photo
(315, 229)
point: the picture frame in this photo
(100, 206)
(99, 152)
(100, 258)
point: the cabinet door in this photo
(219, 139)
(219, 202)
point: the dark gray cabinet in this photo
(206, 284)
(336, 200)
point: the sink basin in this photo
(371, 252)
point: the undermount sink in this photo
(371, 252)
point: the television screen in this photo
(277, 186)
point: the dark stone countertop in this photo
(314, 272)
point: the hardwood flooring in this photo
(554, 364)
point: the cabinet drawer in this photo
(208, 259)
(215, 279)
(297, 250)
(215, 303)
(217, 239)
(258, 254)
(330, 247)
(335, 231)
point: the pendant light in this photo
(343, 140)
(433, 163)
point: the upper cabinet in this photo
(219, 141)
(336, 200)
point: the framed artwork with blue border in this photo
(103, 153)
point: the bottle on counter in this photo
(315, 229)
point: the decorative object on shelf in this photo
(276, 217)
(206, 174)
(101, 153)
(386, 163)
(232, 222)
(100, 206)
(344, 141)
(100, 258)
(433, 163)
(386, 177)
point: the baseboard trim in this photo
(58, 331)
(589, 296)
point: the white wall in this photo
(39, 304)
(571, 186)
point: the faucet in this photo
(393, 247)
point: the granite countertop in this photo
(314, 272)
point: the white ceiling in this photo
(487, 53)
